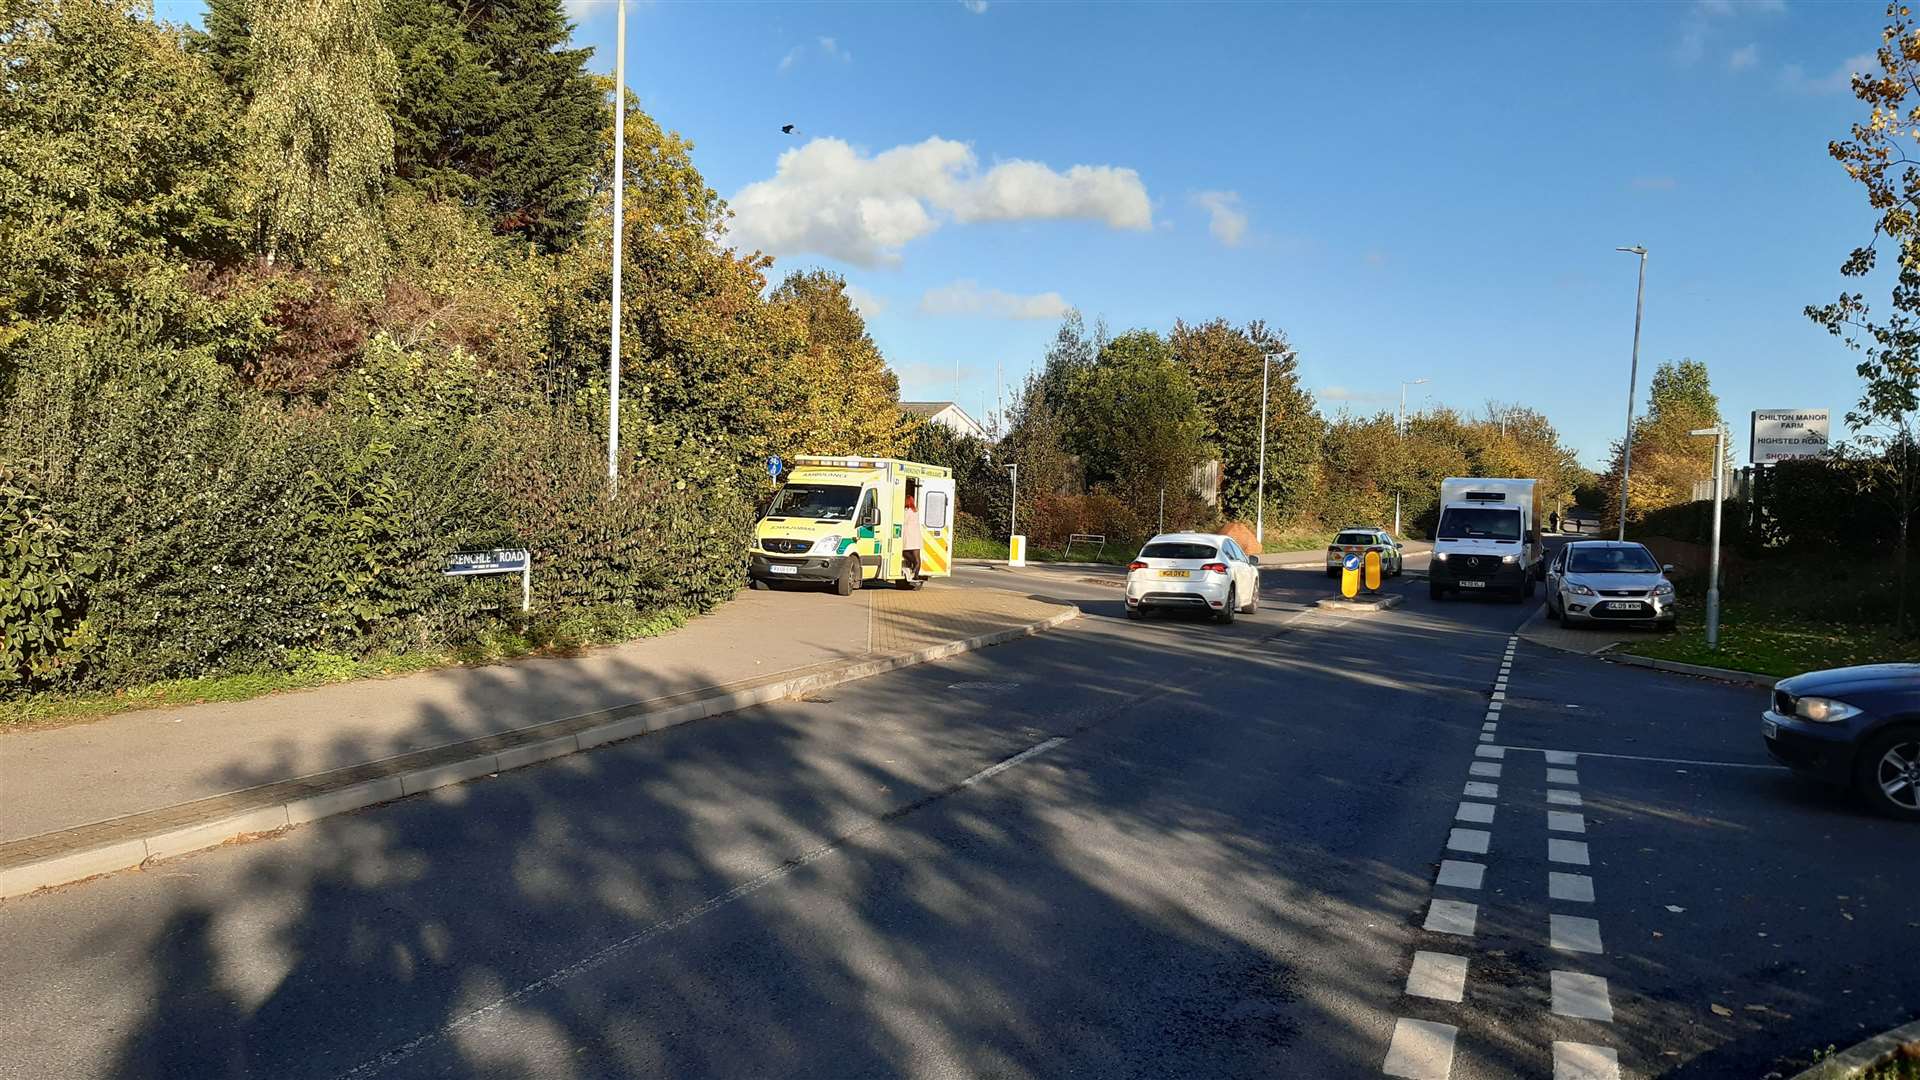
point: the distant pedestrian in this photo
(1553, 521)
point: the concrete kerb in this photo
(1863, 1056)
(1360, 605)
(621, 724)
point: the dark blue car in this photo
(1856, 726)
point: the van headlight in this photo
(1439, 556)
(1509, 559)
(827, 545)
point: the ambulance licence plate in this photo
(776, 568)
(1176, 573)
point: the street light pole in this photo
(1399, 428)
(1260, 487)
(1713, 560)
(1633, 380)
(619, 229)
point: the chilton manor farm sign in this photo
(1788, 434)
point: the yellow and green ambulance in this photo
(839, 521)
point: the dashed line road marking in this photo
(1664, 760)
(1477, 812)
(1499, 695)
(1488, 769)
(1452, 917)
(1560, 757)
(1565, 821)
(1563, 797)
(1578, 995)
(1488, 725)
(1455, 874)
(1421, 1050)
(1578, 1061)
(1577, 888)
(1490, 751)
(1477, 790)
(1472, 841)
(1568, 851)
(1440, 976)
(1486, 736)
(1563, 776)
(1496, 706)
(1574, 933)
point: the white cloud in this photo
(966, 297)
(977, 7)
(828, 49)
(865, 301)
(1697, 27)
(925, 373)
(829, 198)
(1227, 220)
(1833, 82)
(1743, 57)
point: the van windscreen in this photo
(824, 502)
(1479, 523)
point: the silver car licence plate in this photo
(1620, 605)
(1473, 584)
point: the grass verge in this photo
(1903, 1064)
(1774, 646)
(1114, 554)
(309, 668)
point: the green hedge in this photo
(164, 521)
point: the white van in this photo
(1488, 539)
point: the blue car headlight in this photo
(1823, 710)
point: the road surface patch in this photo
(1452, 917)
(1472, 841)
(1581, 996)
(1478, 790)
(1440, 976)
(1476, 812)
(1574, 933)
(1421, 1050)
(1576, 888)
(1568, 851)
(1565, 821)
(1563, 797)
(1579, 1061)
(1455, 874)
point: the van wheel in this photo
(1435, 591)
(849, 578)
(1889, 774)
(757, 585)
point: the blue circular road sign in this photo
(773, 466)
(1351, 562)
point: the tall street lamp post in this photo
(1399, 427)
(1260, 486)
(1633, 379)
(619, 229)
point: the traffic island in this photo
(1359, 605)
(1894, 1055)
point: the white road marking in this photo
(1486, 736)
(1561, 757)
(1574, 933)
(1500, 682)
(1478, 812)
(1563, 776)
(1473, 841)
(1490, 751)
(602, 957)
(1499, 695)
(1578, 1061)
(1485, 768)
(1668, 760)
(1574, 994)
(1496, 706)
(1577, 888)
(1476, 789)
(1440, 976)
(1421, 1050)
(1455, 874)
(1490, 722)
(1563, 796)
(1565, 821)
(1452, 917)
(1567, 851)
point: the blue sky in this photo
(1407, 190)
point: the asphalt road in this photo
(1121, 849)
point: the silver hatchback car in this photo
(1591, 581)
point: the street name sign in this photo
(497, 561)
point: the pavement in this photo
(1307, 844)
(97, 797)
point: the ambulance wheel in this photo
(849, 578)
(757, 585)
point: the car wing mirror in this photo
(1666, 568)
(1253, 560)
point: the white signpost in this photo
(1788, 434)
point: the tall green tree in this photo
(319, 133)
(1224, 362)
(1134, 419)
(848, 398)
(116, 158)
(1666, 459)
(1878, 155)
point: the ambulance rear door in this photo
(938, 510)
